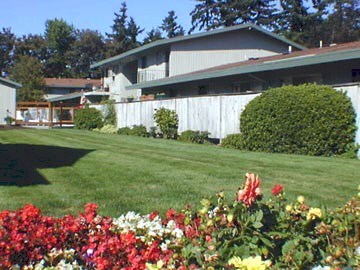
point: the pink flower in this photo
(277, 189)
(251, 190)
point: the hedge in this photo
(306, 119)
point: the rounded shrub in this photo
(306, 119)
(233, 141)
(88, 118)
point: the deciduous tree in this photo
(88, 48)
(29, 72)
(7, 41)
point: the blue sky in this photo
(29, 16)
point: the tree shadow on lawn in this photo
(19, 162)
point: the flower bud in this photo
(230, 218)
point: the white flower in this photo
(357, 251)
(319, 267)
(90, 251)
(178, 233)
(163, 246)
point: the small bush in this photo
(233, 141)
(109, 112)
(88, 118)
(307, 119)
(134, 131)
(199, 137)
(124, 131)
(168, 121)
(153, 132)
(107, 129)
(139, 131)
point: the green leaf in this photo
(257, 225)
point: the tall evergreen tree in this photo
(343, 24)
(59, 36)
(132, 32)
(211, 14)
(124, 33)
(205, 15)
(171, 27)
(294, 20)
(263, 13)
(153, 35)
(7, 41)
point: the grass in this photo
(61, 170)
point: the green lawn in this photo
(61, 170)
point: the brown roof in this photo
(307, 52)
(67, 82)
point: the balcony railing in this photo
(150, 75)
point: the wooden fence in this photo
(218, 114)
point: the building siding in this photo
(213, 51)
(7, 102)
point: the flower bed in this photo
(249, 233)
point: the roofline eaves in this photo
(163, 42)
(12, 83)
(265, 66)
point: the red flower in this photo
(277, 189)
(251, 190)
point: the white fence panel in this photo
(353, 92)
(218, 115)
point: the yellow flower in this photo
(156, 266)
(235, 261)
(251, 263)
(301, 199)
(289, 208)
(314, 213)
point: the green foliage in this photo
(9, 120)
(235, 141)
(7, 41)
(290, 234)
(124, 32)
(306, 119)
(110, 112)
(168, 121)
(199, 137)
(171, 27)
(88, 118)
(134, 131)
(153, 132)
(59, 36)
(29, 72)
(153, 35)
(107, 129)
(211, 14)
(88, 48)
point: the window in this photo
(356, 75)
(143, 62)
(203, 90)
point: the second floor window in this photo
(143, 62)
